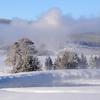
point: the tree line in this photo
(23, 57)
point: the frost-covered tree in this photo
(75, 61)
(97, 60)
(67, 60)
(31, 63)
(22, 56)
(83, 62)
(94, 62)
(49, 64)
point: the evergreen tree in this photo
(49, 64)
(98, 62)
(92, 63)
(83, 62)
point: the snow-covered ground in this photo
(49, 85)
(78, 85)
(51, 78)
(68, 93)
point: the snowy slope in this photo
(51, 79)
(85, 79)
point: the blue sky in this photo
(32, 9)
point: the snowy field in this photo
(49, 85)
(68, 93)
(76, 85)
